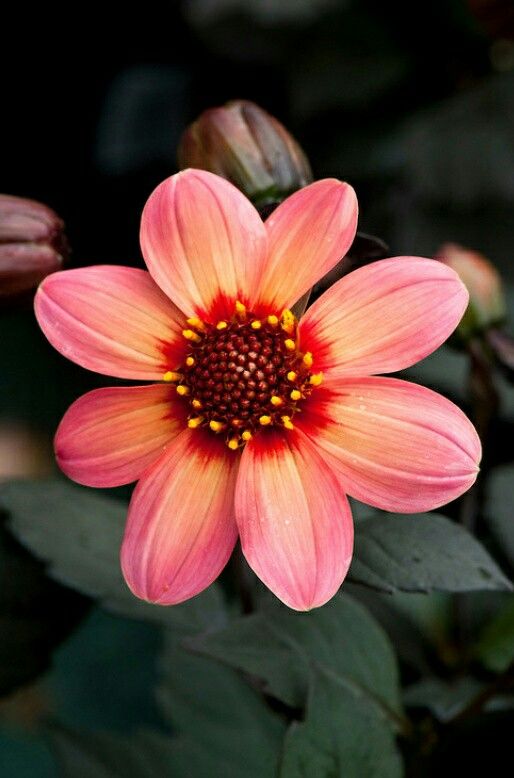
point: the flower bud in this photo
(245, 144)
(32, 244)
(486, 301)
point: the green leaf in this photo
(421, 553)
(224, 727)
(500, 513)
(280, 647)
(342, 736)
(102, 755)
(443, 699)
(36, 614)
(495, 648)
(78, 534)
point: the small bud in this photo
(245, 144)
(32, 244)
(486, 301)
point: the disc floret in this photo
(244, 374)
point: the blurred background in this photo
(413, 104)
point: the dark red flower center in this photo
(245, 374)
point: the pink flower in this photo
(258, 425)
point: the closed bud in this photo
(32, 244)
(245, 144)
(486, 306)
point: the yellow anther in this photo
(265, 420)
(286, 421)
(291, 376)
(233, 443)
(276, 400)
(195, 422)
(240, 308)
(190, 335)
(196, 404)
(222, 325)
(182, 390)
(190, 361)
(307, 359)
(295, 395)
(288, 321)
(316, 379)
(216, 426)
(195, 322)
(247, 435)
(273, 320)
(290, 344)
(171, 376)
(256, 325)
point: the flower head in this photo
(256, 424)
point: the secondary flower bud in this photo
(486, 301)
(32, 244)
(245, 144)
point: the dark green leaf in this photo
(443, 699)
(496, 646)
(102, 755)
(280, 646)
(342, 737)
(224, 727)
(500, 508)
(78, 534)
(36, 614)
(421, 553)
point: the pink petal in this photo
(109, 437)
(181, 528)
(396, 445)
(308, 234)
(294, 519)
(112, 320)
(204, 243)
(383, 317)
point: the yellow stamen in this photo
(307, 359)
(286, 421)
(276, 400)
(288, 321)
(290, 344)
(316, 379)
(190, 361)
(295, 395)
(195, 322)
(247, 435)
(222, 325)
(265, 420)
(216, 426)
(233, 443)
(190, 335)
(291, 376)
(182, 390)
(196, 404)
(273, 320)
(256, 325)
(194, 422)
(171, 376)
(240, 308)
